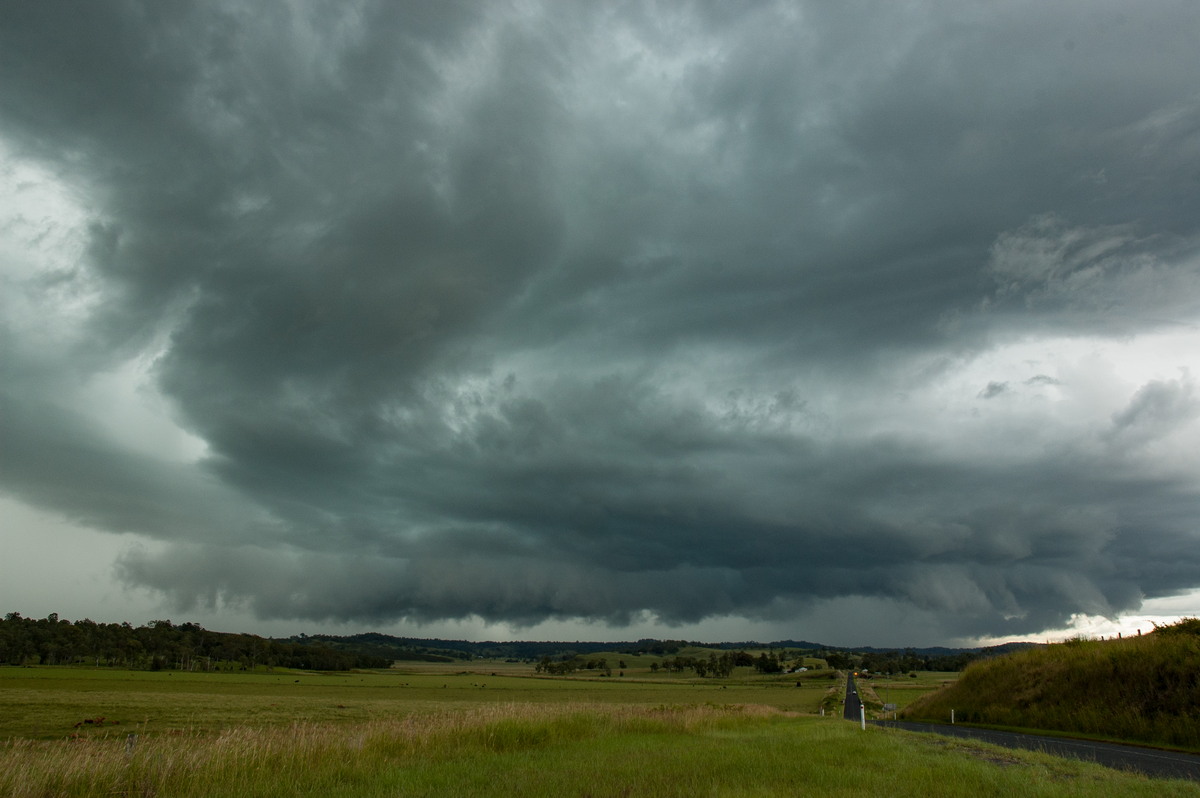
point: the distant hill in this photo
(1142, 689)
(414, 649)
(188, 646)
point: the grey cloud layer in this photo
(586, 311)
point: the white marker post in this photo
(862, 714)
(952, 717)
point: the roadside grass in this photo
(1143, 689)
(554, 750)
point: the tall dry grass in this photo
(302, 758)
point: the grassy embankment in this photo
(1143, 689)
(494, 730)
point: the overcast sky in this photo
(857, 322)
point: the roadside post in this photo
(862, 715)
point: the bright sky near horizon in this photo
(858, 323)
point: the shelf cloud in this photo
(387, 312)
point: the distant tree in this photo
(768, 663)
(838, 660)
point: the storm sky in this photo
(861, 322)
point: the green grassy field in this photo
(439, 730)
(47, 703)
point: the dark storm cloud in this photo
(584, 311)
(993, 390)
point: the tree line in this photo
(162, 645)
(907, 661)
(718, 666)
(572, 663)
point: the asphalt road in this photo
(853, 704)
(1148, 761)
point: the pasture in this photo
(47, 703)
(492, 728)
